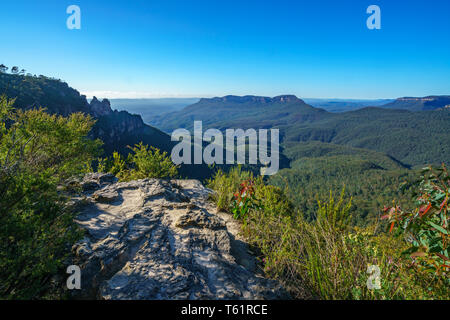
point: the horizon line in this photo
(107, 95)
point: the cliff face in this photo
(116, 129)
(156, 239)
(98, 108)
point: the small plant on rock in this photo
(244, 200)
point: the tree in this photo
(3, 68)
(15, 70)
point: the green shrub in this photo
(426, 227)
(150, 163)
(37, 152)
(326, 258)
(244, 200)
(119, 167)
(225, 185)
(143, 162)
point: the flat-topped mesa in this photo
(428, 98)
(253, 99)
(415, 99)
(287, 98)
(427, 103)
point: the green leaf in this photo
(439, 228)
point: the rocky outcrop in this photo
(158, 239)
(102, 108)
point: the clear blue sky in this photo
(208, 48)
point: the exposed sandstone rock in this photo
(102, 108)
(157, 239)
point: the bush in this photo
(225, 185)
(426, 227)
(326, 258)
(143, 162)
(37, 152)
(150, 163)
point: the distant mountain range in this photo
(342, 105)
(158, 107)
(153, 109)
(407, 136)
(420, 104)
(405, 103)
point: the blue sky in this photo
(168, 48)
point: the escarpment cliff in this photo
(117, 129)
(159, 239)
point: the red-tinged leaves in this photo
(443, 257)
(426, 224)
(423, 210)
(392, 226)
(444, 202)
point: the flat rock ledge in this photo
(162, 239)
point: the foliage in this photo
(225, 186)
(37, 152)
(143, 162)
(336, 214)
(427, 226)
(370, 178)
(117, 167)
(36, 91)
(244, 200)
(327, 257)
(150, 163)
